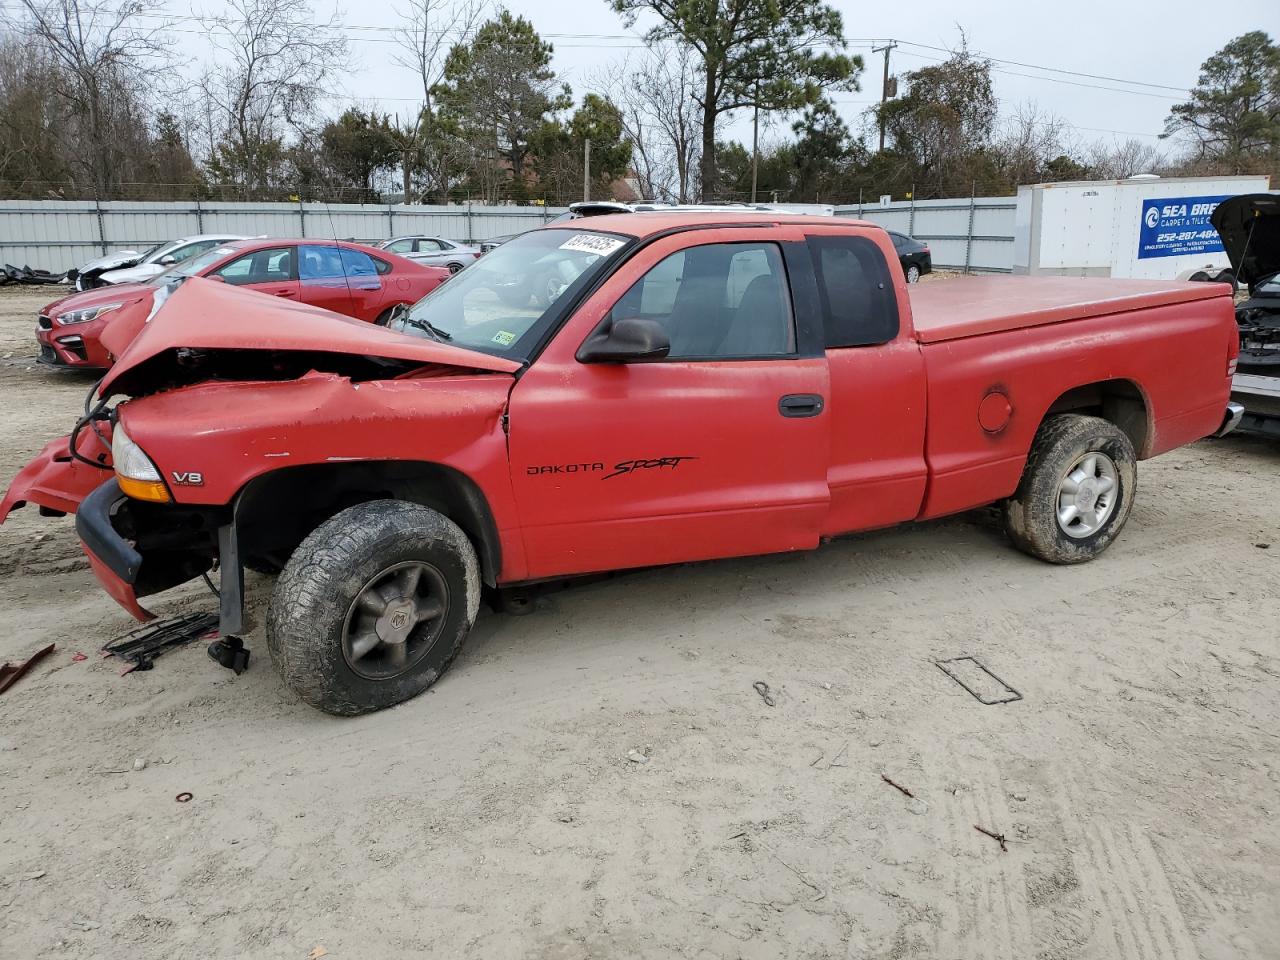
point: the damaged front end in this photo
(223, 388)
(1249, 226)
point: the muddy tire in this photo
(1076, 490)
(373, 606)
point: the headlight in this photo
(87, 314)
(136, 474)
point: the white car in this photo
(433, 251)
(130, 266)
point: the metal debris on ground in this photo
(969, 665)
(27, 276)
(10, 673)
(184, 797)
(140, 647)
(998, 837)
(766, 694)
(230, 652)
(897, 786)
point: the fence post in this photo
(391, 221)
(968, 241)
(302, 216)
(471, 231)
(911, 218)
(860, 217)
(102, 230)
(199, 217)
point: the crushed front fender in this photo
(54, 480)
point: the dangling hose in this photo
(91, 416)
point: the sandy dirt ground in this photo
(498, 816)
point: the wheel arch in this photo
(1120, 401)
(275, 511)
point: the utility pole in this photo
(586, 170)
(755, 144)
(884, 89)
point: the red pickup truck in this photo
(644, 389)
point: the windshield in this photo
(142, 257)
(1269, 287)
(194, 265)
(502, 303)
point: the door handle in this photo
(284, 293)
(800, 405)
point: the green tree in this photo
(359, 145)
(1234, 110)
(768, 54)
(559, 150)
(941, 125)
(499, 89)
(824, 152)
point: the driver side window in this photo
(717, 302)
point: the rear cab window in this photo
(855, 289)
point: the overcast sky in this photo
(1161, 44)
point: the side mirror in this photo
(628, 340)
(217, 278)
(167, 260)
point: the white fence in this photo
(974, 234)
(969, 234)
(61, 234)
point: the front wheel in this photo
(373, 606)
(913, 274)
(1076, 491)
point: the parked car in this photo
(130, 266)
(913, 254)
(1249, 226)
(393, 472)
(435, 251)
(345, 277)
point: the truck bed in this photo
(970, 306)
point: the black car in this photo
(1249, 226)
(913, 255)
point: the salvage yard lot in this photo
(499, 815)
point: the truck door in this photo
(718, 450)
(877, 473)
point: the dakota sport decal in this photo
(619, 468)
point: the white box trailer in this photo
(1147, 227)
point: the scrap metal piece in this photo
(141, 646)
(946, 667)
(10, 673)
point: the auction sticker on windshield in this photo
(592, 243)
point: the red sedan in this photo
(348, 278)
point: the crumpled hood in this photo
(206, 315)
(1249, 226)
(112, 261)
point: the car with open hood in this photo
(1249, 226)
(618, 392)
(348, 278)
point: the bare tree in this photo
(1027, 142)
(102, 50)
(432, 28)
(662, 119)
(278, 61)
(1117, 160)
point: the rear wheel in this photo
(454, 267)
(913, 274)
(373, 606)
(1076, 491)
